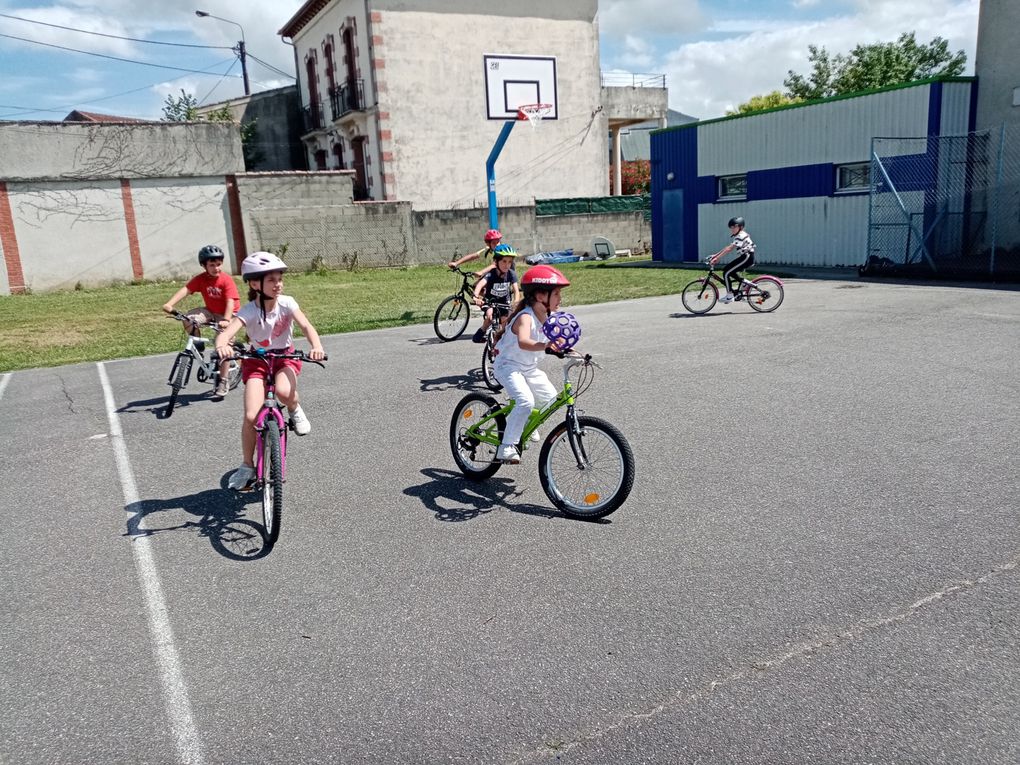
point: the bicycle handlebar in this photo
(177, 315)
(240, 352)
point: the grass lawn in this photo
(56, 328)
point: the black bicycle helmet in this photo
(738, 221)
(210, 252)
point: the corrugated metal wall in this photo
(792, 209)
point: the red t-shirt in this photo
(216, 290)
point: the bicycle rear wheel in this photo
(766, 295)
(272, 481)
(606, 478)
(700, 296)
(488, 356)
(451, 318)
(475, 459)
(178, 379)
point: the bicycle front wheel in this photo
(593, 481)
(488, 355)
(700, 296)
(272, 481)
(178, 379)
(476, 460)
(766, 295)
(234, 375)
(451, 318)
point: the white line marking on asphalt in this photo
(3, 383)
(175, 693)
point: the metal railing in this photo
(346, 98)
(312, 117)
(632, 80)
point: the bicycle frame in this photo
(270, 408)
(484, 432)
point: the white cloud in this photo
(619, 18)
(707, 78)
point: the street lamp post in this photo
(240, 47)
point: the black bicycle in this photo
(499, 312)
(454, 312)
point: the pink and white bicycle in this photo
(271, 439)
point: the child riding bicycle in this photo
(498, 288)
(221, 300)
(518, 352)
(492, 240)
(744, 246)
(268, 319)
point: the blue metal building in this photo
(799, 174)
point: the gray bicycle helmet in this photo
(210, 252)
(738, 221)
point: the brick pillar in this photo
(132, 228)
(9, 240)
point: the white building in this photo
(406, 97)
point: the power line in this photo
(269, 66)
(112, 58)
(218, 82)
(114, 37)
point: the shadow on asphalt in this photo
(469, 382)
(453, 498)
(217, 514)
(698, 315)
(157, 406)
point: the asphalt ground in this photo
(819, 562)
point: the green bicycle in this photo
(586, 466)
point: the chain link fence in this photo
(945, 205)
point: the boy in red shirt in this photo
(221, 300)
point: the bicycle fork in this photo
(574, 438)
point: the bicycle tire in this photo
(488, 356)
(476, 460)
(272, 481)
(234, 375)
(451, 318)
(766, 295)
(577, 492)
(700, 296)
(179, 376)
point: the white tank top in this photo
(510, 355)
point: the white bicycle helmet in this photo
(260, 263)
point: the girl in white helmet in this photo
(268, 319)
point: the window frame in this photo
(852, 167)
(720, 187)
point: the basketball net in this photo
(533, 113)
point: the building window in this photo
(855, 177)
(733, 187)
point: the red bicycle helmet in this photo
(544, 276)
(492, 235)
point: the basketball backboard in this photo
(512, 81)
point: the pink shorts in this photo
(257, 367)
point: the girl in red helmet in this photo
(492, 238)
(518, 352)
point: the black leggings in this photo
(739, 263)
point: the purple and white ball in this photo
(562, 330)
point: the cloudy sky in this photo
(715, 53)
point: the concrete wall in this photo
(997, 65)
(34, 151)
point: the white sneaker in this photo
(727, 298)
(535, 437)
(301, 424)
(241, 477)
(508, 453)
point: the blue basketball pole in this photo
(490, 171)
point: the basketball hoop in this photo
(534, 113)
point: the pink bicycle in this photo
(271, 440)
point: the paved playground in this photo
(819, 562)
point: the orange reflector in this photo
(591, 499)
(467, 414)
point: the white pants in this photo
(530, 390)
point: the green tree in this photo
(767, 101)
(874, 66)
(182, 108)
